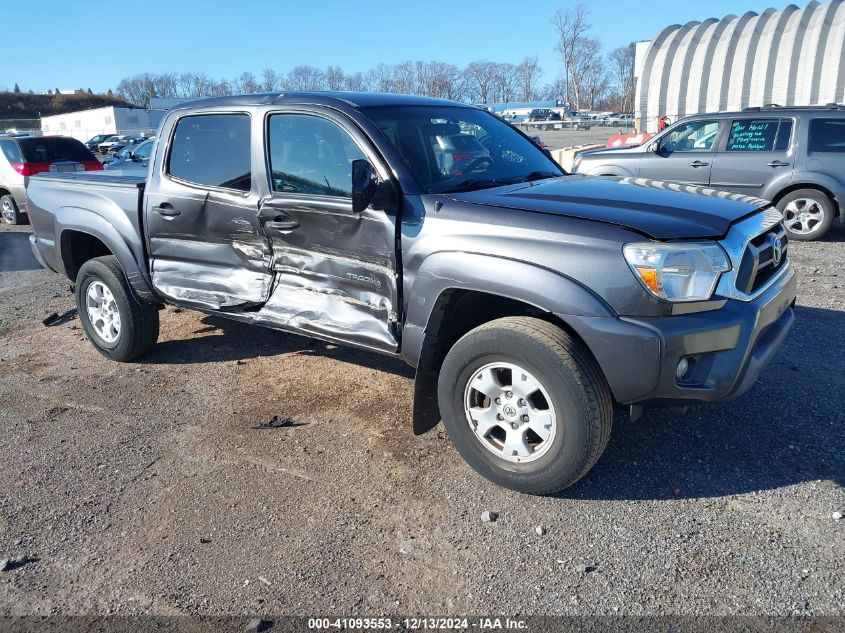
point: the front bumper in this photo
(727, 348)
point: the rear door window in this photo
(41, 150)
(827, 135)
(753, 135)
(212, 150)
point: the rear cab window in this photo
(759, 135)
(212, 150)
(827, 135)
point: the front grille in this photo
(759, 261)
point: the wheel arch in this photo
(442, 309)
(797, 186)
(83, 235)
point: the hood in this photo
(658, 209)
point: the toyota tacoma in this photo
(529, 301)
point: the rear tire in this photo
(119, 324)
(9, 210)
(808, 214)
(570, 408)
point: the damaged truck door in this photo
(206, 245)
(335, 266)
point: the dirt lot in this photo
(150, 488)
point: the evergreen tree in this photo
(17, 88)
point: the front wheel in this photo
(525, 404)
(807, 214)
(119, 324)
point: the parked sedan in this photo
(130, 141)
(103, 147)
(93, 143)
(133, 157)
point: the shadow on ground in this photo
(788, 429)
(16, 253)
(228, 340)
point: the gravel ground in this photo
(150, 488)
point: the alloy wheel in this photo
(510, 412)
(803, 216)
(103, 312)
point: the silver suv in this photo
(794, 157)
(22, 157)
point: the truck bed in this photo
(104, 204)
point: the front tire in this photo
(807, 214)
(9, 210)
(119, 324)
(525, 404)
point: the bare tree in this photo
(335, 79)
(355, 82)
(481, 78)
(380, 78)
(589, 76)
(571, 25)
(246, 84)
(165, 85)
(528, 72)
(404, 78)
(505, 83)
(622, 68)
(270, 80)
(305, 77)
(138, 89)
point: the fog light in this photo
(683, 366)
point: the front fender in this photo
(540, 287)
(443, 272)
(119, 236)
(608, 169)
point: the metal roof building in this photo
(789, 57)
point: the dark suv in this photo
(794, 157)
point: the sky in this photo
(94, 44)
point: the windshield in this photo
(450, 148)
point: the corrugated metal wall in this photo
(789, 57)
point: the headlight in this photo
(680, 271)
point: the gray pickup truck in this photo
(528, 300)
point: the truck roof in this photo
(347, 99)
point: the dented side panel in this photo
(335, 273)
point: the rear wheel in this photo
(119, 324)
(525, 404)
(807, 214)
(9, 210)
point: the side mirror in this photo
(364, 185)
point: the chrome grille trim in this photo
(737, 242)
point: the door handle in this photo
(282, 225)
(777, 163)
(166, 210)
(698, 163)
